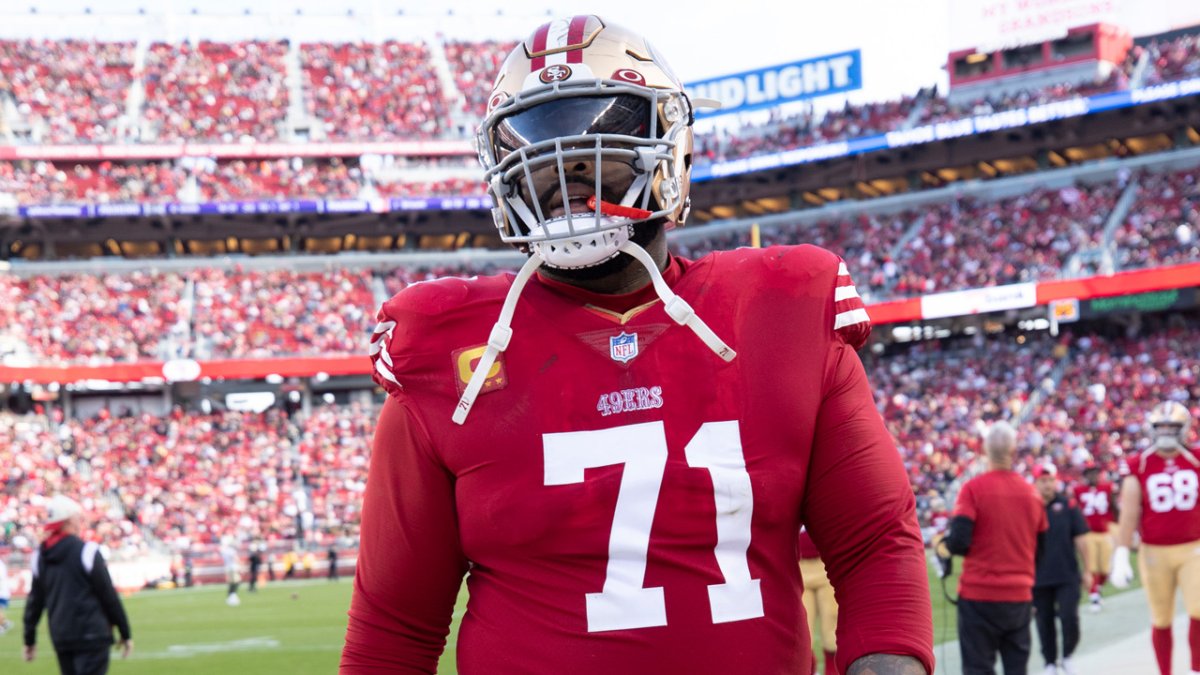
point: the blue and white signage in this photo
(967, 126)
(771, 86)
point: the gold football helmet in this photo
(1169, 422)
(587, 132)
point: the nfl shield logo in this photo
(623, 347)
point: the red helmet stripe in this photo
(575, 36)
(539, 45)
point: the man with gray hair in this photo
(998, 525)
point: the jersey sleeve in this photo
(410, 563)
(860, 511)
(382, 364)
(850, 320)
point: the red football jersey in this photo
(1170, 487)
(1097, 503)
(621, 499)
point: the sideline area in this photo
(1114, 642)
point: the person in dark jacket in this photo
(71, 583)
(255, 563)
(1056, 588)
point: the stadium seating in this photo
(281, 312)
(863, 241)
(44, 182)
(970, 244)
(474, 65)
(76, 89)
(234, 91)
(217, 91)
(93, 319)
(278, 179)
(1163, 227)
(187, 479)
(1098, 409)
(936, 397)
(1174, 59)
(364, 91)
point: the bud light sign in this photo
(768, 87)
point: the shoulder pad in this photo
(415, 320)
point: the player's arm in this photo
(410, 563)
(860, 511)
(1131, 510)
(1131, 514)
(106, 593)
(35, 604)
(961, 530)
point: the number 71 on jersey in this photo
(624, 602)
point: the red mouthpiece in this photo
(616, 210)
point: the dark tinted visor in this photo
(625, 114)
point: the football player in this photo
(1158, 498)
(1097, 500)
(819, 602)
(620, 487)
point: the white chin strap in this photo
(676, 307)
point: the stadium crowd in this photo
(474, 65)
(88, 318)
(954, 245)
(367, 91)
(236, 91)
(74, 89)
(215, 91)
(263, 314)
(1163, 227)
(971, 244)
(187, 479)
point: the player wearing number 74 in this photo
(1159, 499)
(621, 488)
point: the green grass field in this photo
(187, 631)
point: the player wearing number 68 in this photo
(1159, 499)
(617, 446)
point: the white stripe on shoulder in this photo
(90, 550)
(844, 293)
(386, 373)
(843, 271)
(850, 318)
(33, 561)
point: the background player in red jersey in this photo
(624, 492)
(1097, 500)
(819, 602)
(1159, 499)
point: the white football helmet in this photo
(587, 132)
(1169, 425)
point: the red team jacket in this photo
(1170, 488)
(1008, 515)
(630, 504)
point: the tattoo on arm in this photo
(886, 664)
